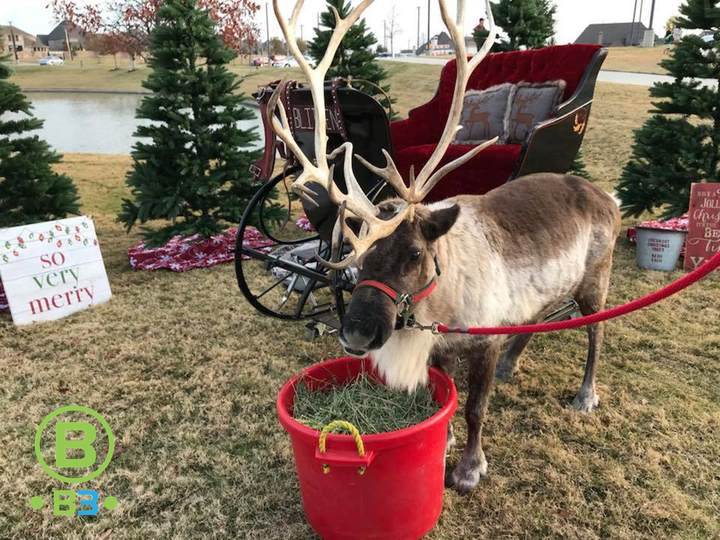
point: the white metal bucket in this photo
(658, 249)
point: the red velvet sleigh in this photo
(550, 146)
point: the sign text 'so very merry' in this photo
(50, 270)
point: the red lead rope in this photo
(640, 303)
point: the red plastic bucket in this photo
(395, 490)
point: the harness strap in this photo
(263, 168)
(397, 297)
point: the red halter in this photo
(404, 301)
(399, 298)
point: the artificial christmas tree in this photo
(194, 170)
(30, 191)
(353, 57)
(680, 144)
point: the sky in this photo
(572, 16)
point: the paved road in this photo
(620, 77)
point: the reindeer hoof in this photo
(504, 373)
(585, 401)
(464, 478)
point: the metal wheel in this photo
(276, 270)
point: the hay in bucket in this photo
(366, 403)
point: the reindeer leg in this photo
(446, 362)
(586, 399)
(591, 299)
(481, 369)
(508, 363)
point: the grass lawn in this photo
(186, 374)
(96, 76)
(637, 59)
(633, 59)
(93, 75)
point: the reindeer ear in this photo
(439, 222)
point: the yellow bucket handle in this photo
(352, 430)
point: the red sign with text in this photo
(703, 240)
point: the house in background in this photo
(441, 44)
(57, 39)
(615, 34)
(24, 41)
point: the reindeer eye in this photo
(415, 255)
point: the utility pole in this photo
(267, 27)
(67, 41)
(418, 31)
(428, 34)
(459, 13)
(652, 15)
(385, 35)
(632, 26)
(301, 32)
(12, 37)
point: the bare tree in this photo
(393, 28)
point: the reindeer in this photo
(506, 257)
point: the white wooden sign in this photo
(50, 270)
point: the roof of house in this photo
(43, 38)
(58, 33)
(5, 29)
(613, 33)
(443, 39)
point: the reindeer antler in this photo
(355, 201)
(426, 180)
(319, 173)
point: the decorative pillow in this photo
(531, 104)
(485, 114)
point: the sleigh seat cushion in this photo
(484, 172)
(530, 104)
(485, 114)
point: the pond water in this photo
(95, 123)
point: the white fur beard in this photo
(403, 360)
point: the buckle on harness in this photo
(412, 324)
(256, 172)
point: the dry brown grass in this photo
(93, 76)
(635, 59)
(618, 110)
(186, 373)
(98, 76)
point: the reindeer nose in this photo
(358, 336)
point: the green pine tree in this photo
(192, 168)
(527, 23)
(578, 167)
(30, 191)
(353, 57)
(680, 143)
